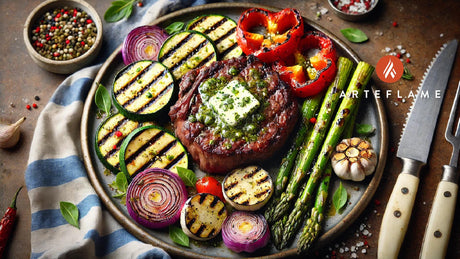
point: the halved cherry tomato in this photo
(270, 36)
(209, 184)
(309, 76)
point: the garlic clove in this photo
(9, 133)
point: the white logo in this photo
(389, 70)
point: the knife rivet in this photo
(437, 234)
(397, 213)
(405, 190)
(447, 194)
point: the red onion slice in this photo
(155, 198)
(143, 43)
(245, 231)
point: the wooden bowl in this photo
(62, 66)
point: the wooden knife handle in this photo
(398, 211)
(437, 232)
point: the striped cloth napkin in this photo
(56, 171)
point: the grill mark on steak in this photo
(280, 114)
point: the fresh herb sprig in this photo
(178, 236)
(118, 10)
(174, 27)
(340, 197)
(407, 74)
(187, 176)
(103, 100)
(354, 35)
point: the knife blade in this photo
(413, 150)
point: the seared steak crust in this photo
(215, 153)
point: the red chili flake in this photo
(82, 43)
(37, 30)
(140, 4)
(67, 41)
(28, 107)
(398, 55)
(313, 120)
(118, 133)
(35, 105)
(114, 147)
(395, 24)
(89, 21)
(377, 202)
(366, 243)
(407, 60)
(56, 54)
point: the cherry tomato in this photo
(209, 184)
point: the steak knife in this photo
(414, 148)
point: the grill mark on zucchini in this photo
(132, 80)
(171, 51)
(175, 160)
(191, 54)
(221, 211)
(215, 26)
(252, 173)
(225, 36)
(214, 201)
(260, 194)
(190, 223)
(202, 198)
(156, 98)
(144, 146)
(200, 230)
(229, 50)
(195, 24)
(116, 127)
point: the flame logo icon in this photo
(389, 69)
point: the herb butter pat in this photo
(233, 103)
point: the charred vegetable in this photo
(270, 36)
(143, 43)
(155, 198)
(151, 147)
(245, 232)
(143, 90)
(202, 216)
(354, 159)
(248, 188)
(221, 30)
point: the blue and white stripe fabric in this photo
(56, 170)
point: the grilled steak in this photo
(232, 113)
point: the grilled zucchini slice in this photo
(151, 147)
(109, 137)
(248, 188)
(202, 216)
(220, 29)
(185, 51)
(143, 90)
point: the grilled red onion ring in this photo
(155, 198)
(143, 43)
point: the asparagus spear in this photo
(309, 109)
(355, 90)
(314, 223)
(313, 143)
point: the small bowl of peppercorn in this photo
(353, 10)
(63, 36)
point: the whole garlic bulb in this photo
(354, 159)
(9, 133)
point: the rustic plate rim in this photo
(144, 236)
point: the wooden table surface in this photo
(422, 27)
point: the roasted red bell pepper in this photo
(270, 36)
(309, 74)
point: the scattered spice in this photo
(313, 120)
(64, 34)
(37, 98)
(28, 107)
(118, 133)
(353, 6)
(35, 105)
(395, 24)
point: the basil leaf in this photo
(119, 10)
(174, 27)
(187, 175)
(121, 182)
(70, 213)
(407, 74)
(354, 35)
(364, 129)
(340, 198)
(102, 99)
(178, 236)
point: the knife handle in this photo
(398, 211)
(437, 232)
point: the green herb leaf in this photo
(178, 236)
(70, 213)
(174, 27)
(102, 99)
(340, 198)
(119, 10)
(187, 175)
(407, 74)
(364, 129)
(354, 35)
(121, 182)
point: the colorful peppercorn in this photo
(64, 34)
(353, 6)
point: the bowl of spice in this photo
(353, 10)
(63, 36)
